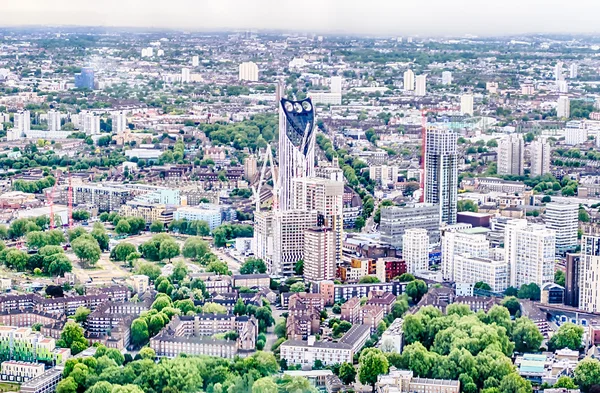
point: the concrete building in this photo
(511, 153)
(441, 172)
(572, 280)
(45, 383)
(150, 212)
(22, 121)
(575, 135)
(396, 220)
(471, 270)
(140, 283)
(289, 228)
(85, 79)
(403, 381)
(530, 253)
(472, 242)
(248, 71)
(186, 75)
(319, 254)
(250, 167)
(466, 104)
(563, 107)
(193, 213)
(415, 250)
(540, 158)
(446, 78)
(54, 120)
(119, 122)
(384, 174)
(421, 85)
(21, 371)
(91, 123)
(409, 80)
(563, 219)
(336, 84)
(195, 61)
(589, 273)
(573, 71)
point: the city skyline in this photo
(356, 17)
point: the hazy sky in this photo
(401, 17)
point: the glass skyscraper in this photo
(85, 79)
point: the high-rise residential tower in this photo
(441, 172)
(409, 80)
(415, 250)
(589, 273)
(446, 78)
(563, 107)
(466, 104)
(119, 122)
(53, 120)
(421, 85)
(540, 158)
(248, 71)
(85, 79)
(319, 254)
(511, 153)
(563, 218)
(22, 121)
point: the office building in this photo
(540, 158)
(572, 280)
(441, 172)
(511, 153)
(53, 120)
(289, 228)
(415, 250)
(319, 254)
(248, 71)
(119, 122)
(492, 271)
(195, 61)
(466, 104)
(336, 84)
(22, 121)
(563, 219)
(91, 123)
(85, 79)
(563, 107)
(589, 273)
(446, 78)
(460, 242)
(186, 75)
(409, 80)
(421, 85)
(573, 71)
(395, 220)
(530, 253)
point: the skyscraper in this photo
(415, 250)
(563, 107)
(250, 167)
(530, 253)
(589, 273)
(119, 122)
(563, 218)
(446, 78)
(296, 147)
(573, 71)
(91, 123)
(441, 172)
(511, 153)
(53, 120)
(409, 80)
(466, 104)
(186, 75)
(195, 61)
(421, 85)
(289, 228)
(319, 254)
(248, 71)
(85, 79)
(540, 158)
(336, 84)
(22, 121)
(558, 69)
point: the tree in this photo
(298, 268)
(368, 280)
(406, 277)
(121, 251)
(123, 227)
(359, 223)
(36, 239)
(546, 199)
(139, 332)
(168, 249)
(512, 304)
(583, 215)
(195, 248)
(568, 335)
(298, 287)
(147, 353)
(341, 328)
(116, 355)
(16, 259)
(213, 308)
(180, 271)
(526, 336)
(99, 233)
(265, 385)
(416, 289)
(467, 205)
(86, 249)
(148, 269)
(81, 314)
(564, 383)
(72, 337)
(253, 266)
(75, 233)
(483, 285)
(587, 373)
(239, 308)
(81, 215)
(514, 383)
(67, 385)
(372, 363)
(157, 227)
(347, 373)
(218, 267)
(529, 291)
(559, 278)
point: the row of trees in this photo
(34, 187)
(50, 260)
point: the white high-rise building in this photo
(456, 243)
(563, 107)
(563, 218)
(562, 86)
(441, 172)
(511, 153)
(53, 120)
(540, 158)
(415, 250)
(195, 61)
(319, 254)
(263, 237)
(409, 80)
(22, 121)
(421, 85)
(573, 71)
(147, 52)
(186, 75)
(91, 124)
(529, 252)
(575, 134)
(471, 270)
(336, 84)
(589, 273)
(558, 71)
(119, 122)
(289, 228)
(446, 78)
(248, 71)
(466, 104)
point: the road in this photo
(233, 264)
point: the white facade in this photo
(319, 254)
(471, 270)
(195, 61)
(589, 274)
(22, 121)
(248, 71)
(511, 153)
(441, 172)
(562, 86)
(91, 123)
(558, 71)
(573, 71)
(529, 251)
(455, 243)
(119, 122)
(415, 250)
(305, 353)
(147, 52)
(466, 104)
(563, 218)
(336, 84)
(409, 80)
(421, 85)
(575, 136)
(446, 78)
(191, 213)
(288, 239)
(540, 158)
(186, 75)
(320, 97)
(384, 174)
(53, 120)
(563, 107)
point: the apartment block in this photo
(396, 220)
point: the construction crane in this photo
(424, 113)
(50, 198)
(256, 189)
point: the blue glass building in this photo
(85, 79)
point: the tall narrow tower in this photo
(441, 172)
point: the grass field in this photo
(9, 387)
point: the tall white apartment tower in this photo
(53, 120)
(289, 228)
(195, 61)
(441, 172)
(455, 243)
(319, 254)
(511, 153)
(415, 250)
(558, 71)
(336, 84)
(446, 78)
(91, 124)
(248, 71)
(540, 158)
(119, 121)
(530, 253)
(563, 218)
(589, 273)
(421, 85)
(573, 71)
(186, 75)
(466, 104)
(22, 121)
(563, 107)
(409, 80)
